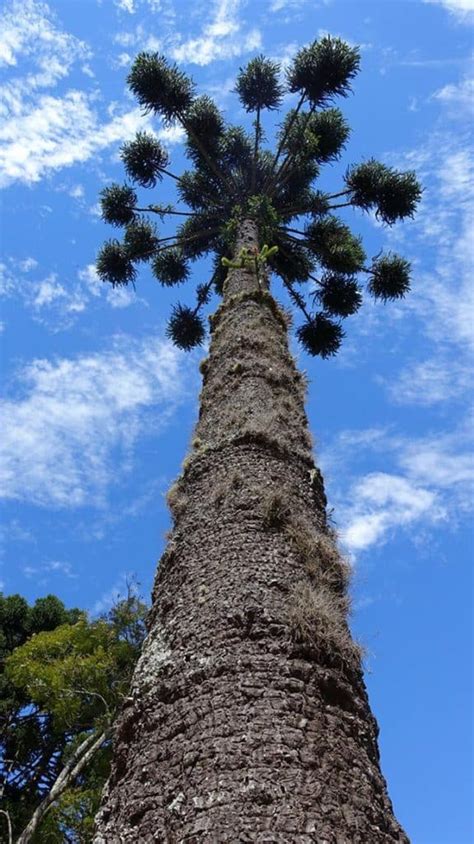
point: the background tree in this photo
(248, 710)
(62, 679)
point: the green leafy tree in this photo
(248, 710)
(63, 678)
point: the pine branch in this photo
(278, 182)
(317, 280)
(9, 825)
(341, 205)
(337, 195)
(255, 151)
(162, 212)
(282, 143)
(73, 767)
(178, 241)
(297, 299)
(220, 175)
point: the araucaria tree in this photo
(248, 717)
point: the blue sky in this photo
(98, 408)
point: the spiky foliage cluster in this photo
(233, 176)
(145, 159)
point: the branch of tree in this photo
(202, 149)
(9, 825)
(269, 181)
(278, 181)
(78, 761)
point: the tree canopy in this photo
(233, 176)
(62, 679)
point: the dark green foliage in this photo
(203, 294)
(160, 86)
(235, 177)
(199, 190)
(291, 262)
(320, 336)
(140, 240)
(220, 273)
(204, 121)
(335, 246)
(339, 295)
(298, 179)
(321, 136)
(399, 196)
(27, 736)
(394, 195)
(332, 131)
(49, 612)
(114, 264)
(390, 277)
(185, 328)
(364, 181)
(170, 268)
(258, 85)
(198, 235)
(117, 204)
(324, 70)
(144, 158)
(236, 149)
(35, 740)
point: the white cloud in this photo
(383, 502)
(126, 6)
(433, 381)
(56, 303)
(57, 132)
(70, 430)
(463, 10)
(221, 38)
(47, 54)
(41, 132)
(47, 568)
(28, 264)
(441, 235)
(459, 98)
(29, 30)
(432, 479)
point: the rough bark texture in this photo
(248, 718)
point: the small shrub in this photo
(176, 499)
(320, 557)
(317, 619)
(275, 511)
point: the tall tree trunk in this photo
(248, 718)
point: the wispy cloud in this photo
(463, 10)
(222, 38)
(30, 32)
(56, 132)
(433, 381)
(42, 132)
(71, 424)
(55, 302)
(44, 570)
(458, 97)
(430, 479)
(384, 502)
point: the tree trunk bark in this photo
(248, 718)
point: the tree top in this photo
(234, 175)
